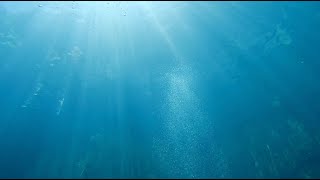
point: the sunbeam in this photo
(170, 89)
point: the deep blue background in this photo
(159, 89)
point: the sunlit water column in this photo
(186, 147)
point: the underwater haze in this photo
(142, 89)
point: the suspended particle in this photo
(60, 106)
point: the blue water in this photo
(159, 89)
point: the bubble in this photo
(27, 102)
(39, 5)
(282, 36)
(9, 39)
(75, 52)
(185, 125)
(60, 105)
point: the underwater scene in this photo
(150, 89)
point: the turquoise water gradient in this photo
(159, 89)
